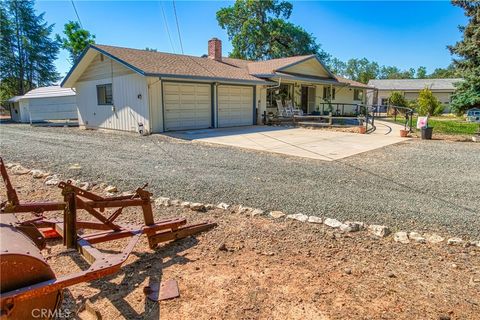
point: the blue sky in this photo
(405, 34)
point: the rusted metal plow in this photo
(27, 281)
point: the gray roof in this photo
(414, 84)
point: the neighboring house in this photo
(135, 90)
(441, 88)
(44, 104)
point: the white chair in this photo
(295, 111)
(282, 111)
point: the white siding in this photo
(130, 104)
(15, 112)
(54, 108)
(261, 97)
(105, 69)
(155, 101)
(24, 117)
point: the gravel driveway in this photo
(431, 185)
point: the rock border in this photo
(378, 231)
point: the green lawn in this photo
(445, 125)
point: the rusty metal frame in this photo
(106, 228)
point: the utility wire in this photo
(166, 27)
(178, 28)
(78, 17)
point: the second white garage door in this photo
(187, 106)
(235, 106)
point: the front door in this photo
(304, 99)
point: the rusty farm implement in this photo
(27, 280)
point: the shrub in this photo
(427, 103)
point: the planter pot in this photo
(427, 133)
(362, 130)
(404, 133)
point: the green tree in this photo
(259, 30)
(397, 99)
(76, 39)
(421, 73)
(337, 67)
(27, 53)
(362, 70)
(442, 73)
(467, 94)
(428, 104)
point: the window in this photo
(284, 93)
(104, 94)
(384, 102)
(358, 94)
(326, 93)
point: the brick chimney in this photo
(215, 49)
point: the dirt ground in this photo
(258, 268)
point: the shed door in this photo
(187, 106)
(54, 108)
(235, 106)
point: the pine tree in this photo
(27, 52)
(467, 94)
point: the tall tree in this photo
(448, 72)
(76, 39)
(467, 94)
(361, 70)
(27, 52)
(259, 30)
(421, 72)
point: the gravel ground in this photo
(416, 185)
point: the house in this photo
(441, 88)
(137, 90)
(44, 104)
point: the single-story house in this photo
(44, 104)
(137, 90)
(441, 88)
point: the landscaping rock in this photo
(175, 202)
(85, 185)
(246, 210)
(111, 189)
(455, 241)
(185, 204)
(417, 237)
(162, 202)
(19, 170)
(11, 165)
(433, 238)
(75, 166)
(277, 214)
(379, 231)
(38, 174)
(401, 237)
(257, 212)
(52, 180)
(350, 226)
(298, 216)
(198, 207)
(315, 219)
(209, 206)
(333, 223)
(223, 205)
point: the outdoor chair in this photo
(295, 111)
(282, 111)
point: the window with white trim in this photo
(104, 94)
(357, 94)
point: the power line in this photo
(166, 27)
(78, 17)
(178, 28)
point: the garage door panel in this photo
(235, 106)
(187, 106)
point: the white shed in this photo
(45, 104)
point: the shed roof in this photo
(415, 84)
(14, 99)
(48, 92)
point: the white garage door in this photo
(235, 106)
(187, 106)
(53, 108)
